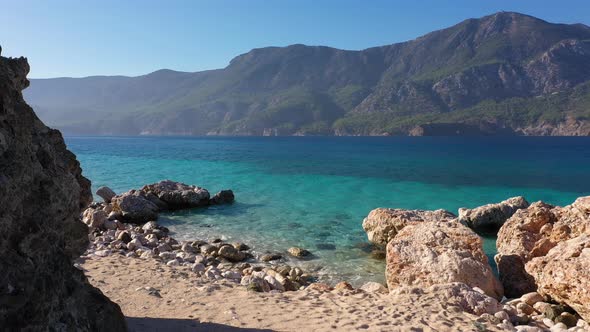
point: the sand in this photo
(178, 300)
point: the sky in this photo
(69, 38)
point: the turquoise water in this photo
(314, 192)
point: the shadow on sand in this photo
(147, 324)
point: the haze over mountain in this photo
(506, 73)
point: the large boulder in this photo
(531, 233)
(383, 224)
(491, 216)
(178, 195)
(426, 254)
(134, 207)
(42, 193)
(563, 274)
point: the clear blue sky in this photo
(134, 37)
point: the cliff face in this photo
(42, 192)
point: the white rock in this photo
(232, 275)
(173, 262)
(559, 327)
(374, 287)
(548, 322)
(274, 284)
(102, 253)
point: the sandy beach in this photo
(157, 297)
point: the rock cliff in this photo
(42, 192)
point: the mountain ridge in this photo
(512, 63)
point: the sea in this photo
(313, 192)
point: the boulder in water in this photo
(491, 216)
(178, 195)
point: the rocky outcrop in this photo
(425, 254)
(141, 206)
(383, 224)
(533, 232)
(562, 274)
(491, 216)
(42, 192)
(178, 195)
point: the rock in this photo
(502, 315)
(94, 217)
(343, 285)
(106, 194)
(42, 194)
(150, 226)
(167, 256)
(526, 328)
(198, 268)
(382, 224)
(178, 195)
(274, 283)
(124, 236)
(222, 197)
(241, 246)
(525, 308)
(531, 233)
(425, 254)
(562, 274)
(374, 287)
(188, 247)
(298, 252)
(270, 257)
(232, 254)
(532, 298)
(559, 327)
(233, 275)
(133, 207)
(134, 244)
(319, 287)
(566, 318)
(208, 249)
(491, 216)
(173, 262)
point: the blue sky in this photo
(134, 37)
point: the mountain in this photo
(506, 73)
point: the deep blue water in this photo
(315, 191)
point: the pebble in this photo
(532, 298)
(559, 327)
(173, 262)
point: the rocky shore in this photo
(428, 253)
(543, 258)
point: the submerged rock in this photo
(383, 224)
(42, 193)
(425, 254)
(491, 216)
(298, 252)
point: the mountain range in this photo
(502, 74)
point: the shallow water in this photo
(314, 192)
